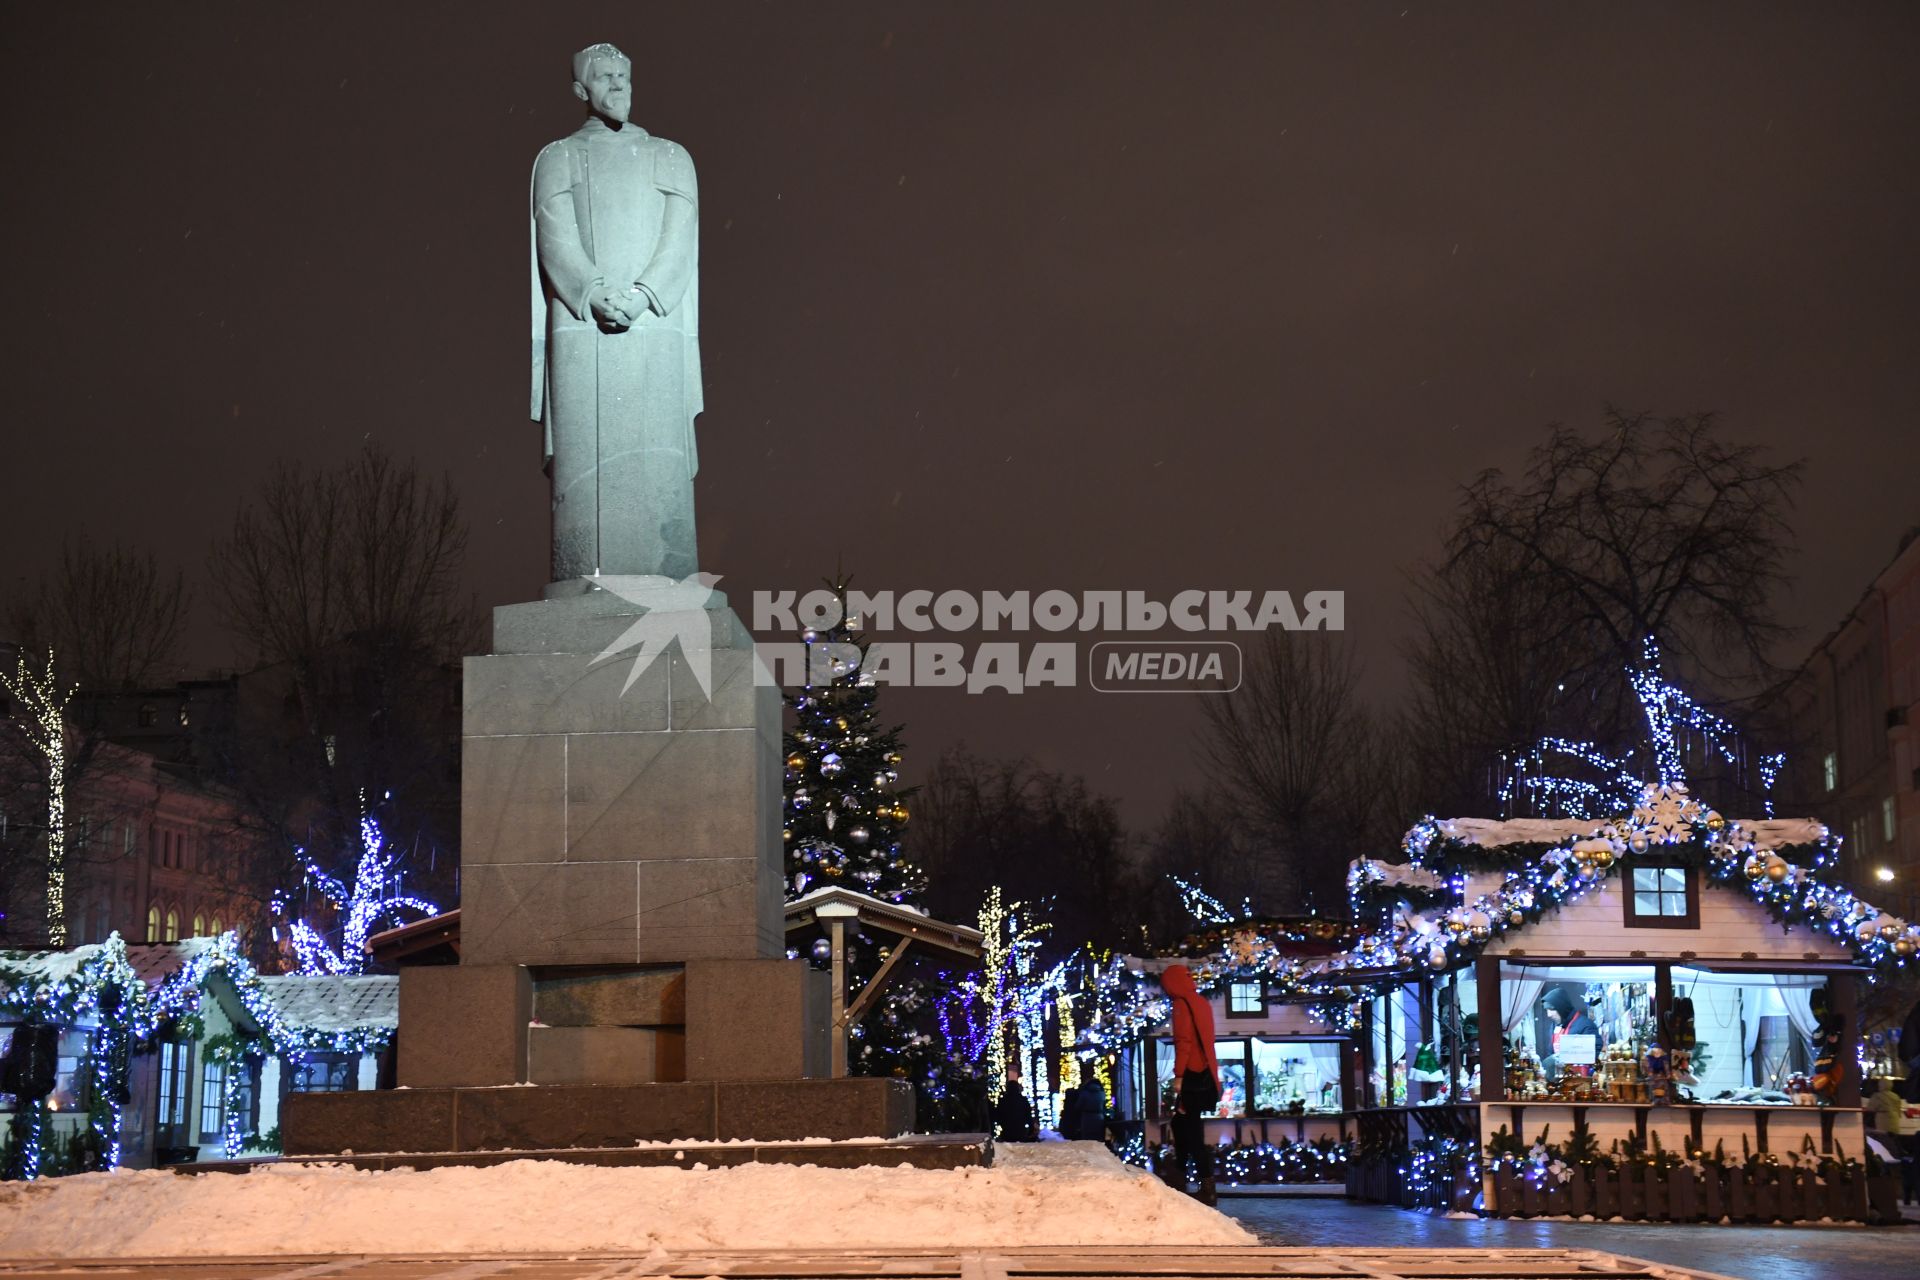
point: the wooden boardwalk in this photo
(1234, 1263)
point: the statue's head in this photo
(603, 79)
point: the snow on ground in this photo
(1044, 1194)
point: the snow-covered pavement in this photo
(1046, 1194)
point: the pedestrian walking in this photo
(1196, 1073)
(1083, 1112)
(1013, 1114)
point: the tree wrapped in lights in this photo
(1206, 908)
(1115, 1007)
(1673, 719)
(1002, 1008)
(43, 697)
(373, 899)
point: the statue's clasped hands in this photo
(617, 310)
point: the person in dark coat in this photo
(1013, 1114)
(1083, 1112)
(1569, 1016)
(1196, 1074)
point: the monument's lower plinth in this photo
(920, 1151)
(559, 1117)
(482, 1026)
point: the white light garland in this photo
(44, 699)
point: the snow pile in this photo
(1051, 1194)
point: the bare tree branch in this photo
(1298, 754)
(344, 586)
(110, 616)
(1658, 528)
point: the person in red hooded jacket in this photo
(1196, 1073)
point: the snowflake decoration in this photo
(1244, 946)
(1732, 840)
(1665, 814)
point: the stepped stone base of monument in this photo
(556, 1117)
(921, 1151)
(476, 1025)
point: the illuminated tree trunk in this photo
(43, 699)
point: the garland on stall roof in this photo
(104, 989)
(1786, 880)
(1667, 824)
(96, 989)
(1672, 825)
(179, 1000)
(1433, 924)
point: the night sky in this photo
(1088, 296)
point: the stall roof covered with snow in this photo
(1671, 878)
(335, 1003)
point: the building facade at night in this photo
(152, 854)
(1850, 715)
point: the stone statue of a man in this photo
(616, 335)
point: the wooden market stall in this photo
(1556, 1014)
(1286, 1077)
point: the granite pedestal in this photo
(621, 921)
(498, 1024)
(619, 817)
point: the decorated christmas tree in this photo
(844, 813)
(843, 821)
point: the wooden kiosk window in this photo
(1247, 998)
(1661, 896)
